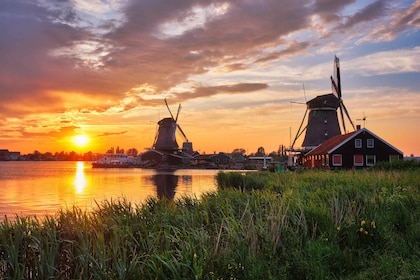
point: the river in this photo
(43, 188)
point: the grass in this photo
(259, 225)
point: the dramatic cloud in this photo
(206, 91)
(369, 13)
(82, 63)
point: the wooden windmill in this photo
(165, 139)
(323, 122)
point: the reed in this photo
(259, 225)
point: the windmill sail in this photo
(336, 87)
(323, 120)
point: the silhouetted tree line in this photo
(60, 156)
(279, 155)
(73, 156)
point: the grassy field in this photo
(259, 225)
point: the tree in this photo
(260, 152)
(132, 152)
(239, 151)
(238, 154)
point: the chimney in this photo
(358, 127)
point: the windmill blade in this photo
(335, 88)
(182, 132)
(348, 115)
(169, 109)
(177, 113)
(342, 118)
(299, 132)
(303, 130)
(156, 136)
(304, 91)
(337, 75)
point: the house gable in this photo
(362, 133)
(356, 149)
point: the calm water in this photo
(39, 188)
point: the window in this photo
(370, 143)
(337, 160)
(358, 160)
(393, 158)
(370, 160)
(357, 143)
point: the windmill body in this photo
(322, 120)
(165, 150)
(165, 138)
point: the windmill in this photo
(323, 120)
(165, 139)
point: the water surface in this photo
(40, 188)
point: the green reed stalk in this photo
(315, 224)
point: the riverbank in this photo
(259, 225)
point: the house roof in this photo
(336, 142)
(330, 144)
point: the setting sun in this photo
(80, 140)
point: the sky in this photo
(241, 69)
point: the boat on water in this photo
(114, 160)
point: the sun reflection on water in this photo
(80, 179)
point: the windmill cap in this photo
(324, 101)
(166, 121)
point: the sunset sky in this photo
(240, 69)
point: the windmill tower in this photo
(323, 120)
(165, 139)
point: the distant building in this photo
(220, 160)
(412, 157)
(261, 162)
(6, 155)
(361, 148)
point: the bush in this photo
(241, 181)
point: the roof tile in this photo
(329, 144)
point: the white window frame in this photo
(358, 143)
(367, 159)
(370, 143)
(341, 160)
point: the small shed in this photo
(357, 149)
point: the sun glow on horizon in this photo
(81, 140)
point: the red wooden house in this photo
(360, 148)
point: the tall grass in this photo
(316, 225)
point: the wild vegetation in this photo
(259, 225)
